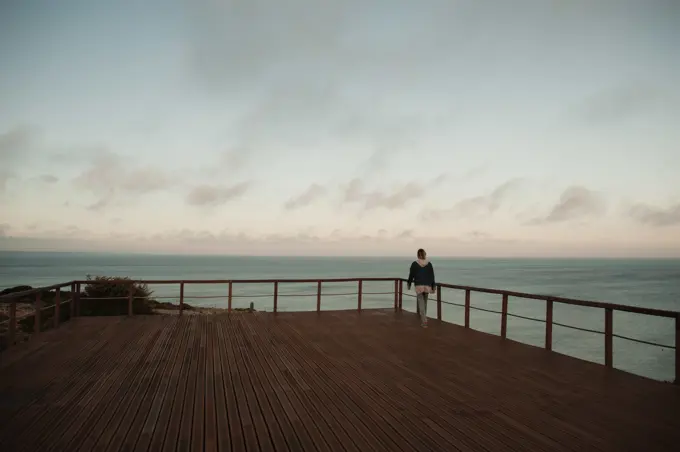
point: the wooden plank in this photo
(390, 432)
(193, 379)
(77, 398)
(150, 383)
(284, 404)
(87, 421)
(324, 428)
(169, 443)
(341, 381)
(198, 420)
(174, 393)
(259, 424)
(123, 419)
(211, 427)
(166, 389)
(220, 403)
(270, 436)
(236, 432)
(59, 389)
(343, 405)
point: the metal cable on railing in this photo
(453, 304)
(578, 328)
(640, 341)
(526, 318)
(485, 310)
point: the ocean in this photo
(639, 282)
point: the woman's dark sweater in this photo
(422, 273)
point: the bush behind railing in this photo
(109, 295)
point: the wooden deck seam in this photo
(122, 417)
(381, 416)
(97, 410)
(71, 389)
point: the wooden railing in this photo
(397, 293)
(607, 308)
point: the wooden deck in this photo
(303, 381)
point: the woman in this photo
(422, 273)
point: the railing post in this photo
(181, 297)
(504, 317)
(38, 311)
(318, 297)
(467, 308)
(276, 296)
(401, 294)
(77, 298)
(396, 295)
(131, 292)
(548, 324)
(12, 322)
(677, 349)
(230, 292)
(73, 301)
(360, 290)
(608, 337)
(57, 308)
(439, 302)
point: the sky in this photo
(341, 127)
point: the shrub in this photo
(108, 295)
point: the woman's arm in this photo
(411, 275)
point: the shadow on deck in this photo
(303, 381)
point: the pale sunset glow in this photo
(342, 127)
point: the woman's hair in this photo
(421, 254)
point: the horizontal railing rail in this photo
(608, 308)
(398, 293)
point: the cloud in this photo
(397, 197)
(16, 149)
(655, 216)
(5, 177)
(629, 101)
(4, 229)
(575, 203)
(213, 195)
(108, 175)
(49, 179)
(311, 194)
(354, 192)
(478, 205)
(15, 144)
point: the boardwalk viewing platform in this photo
(359, 380)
